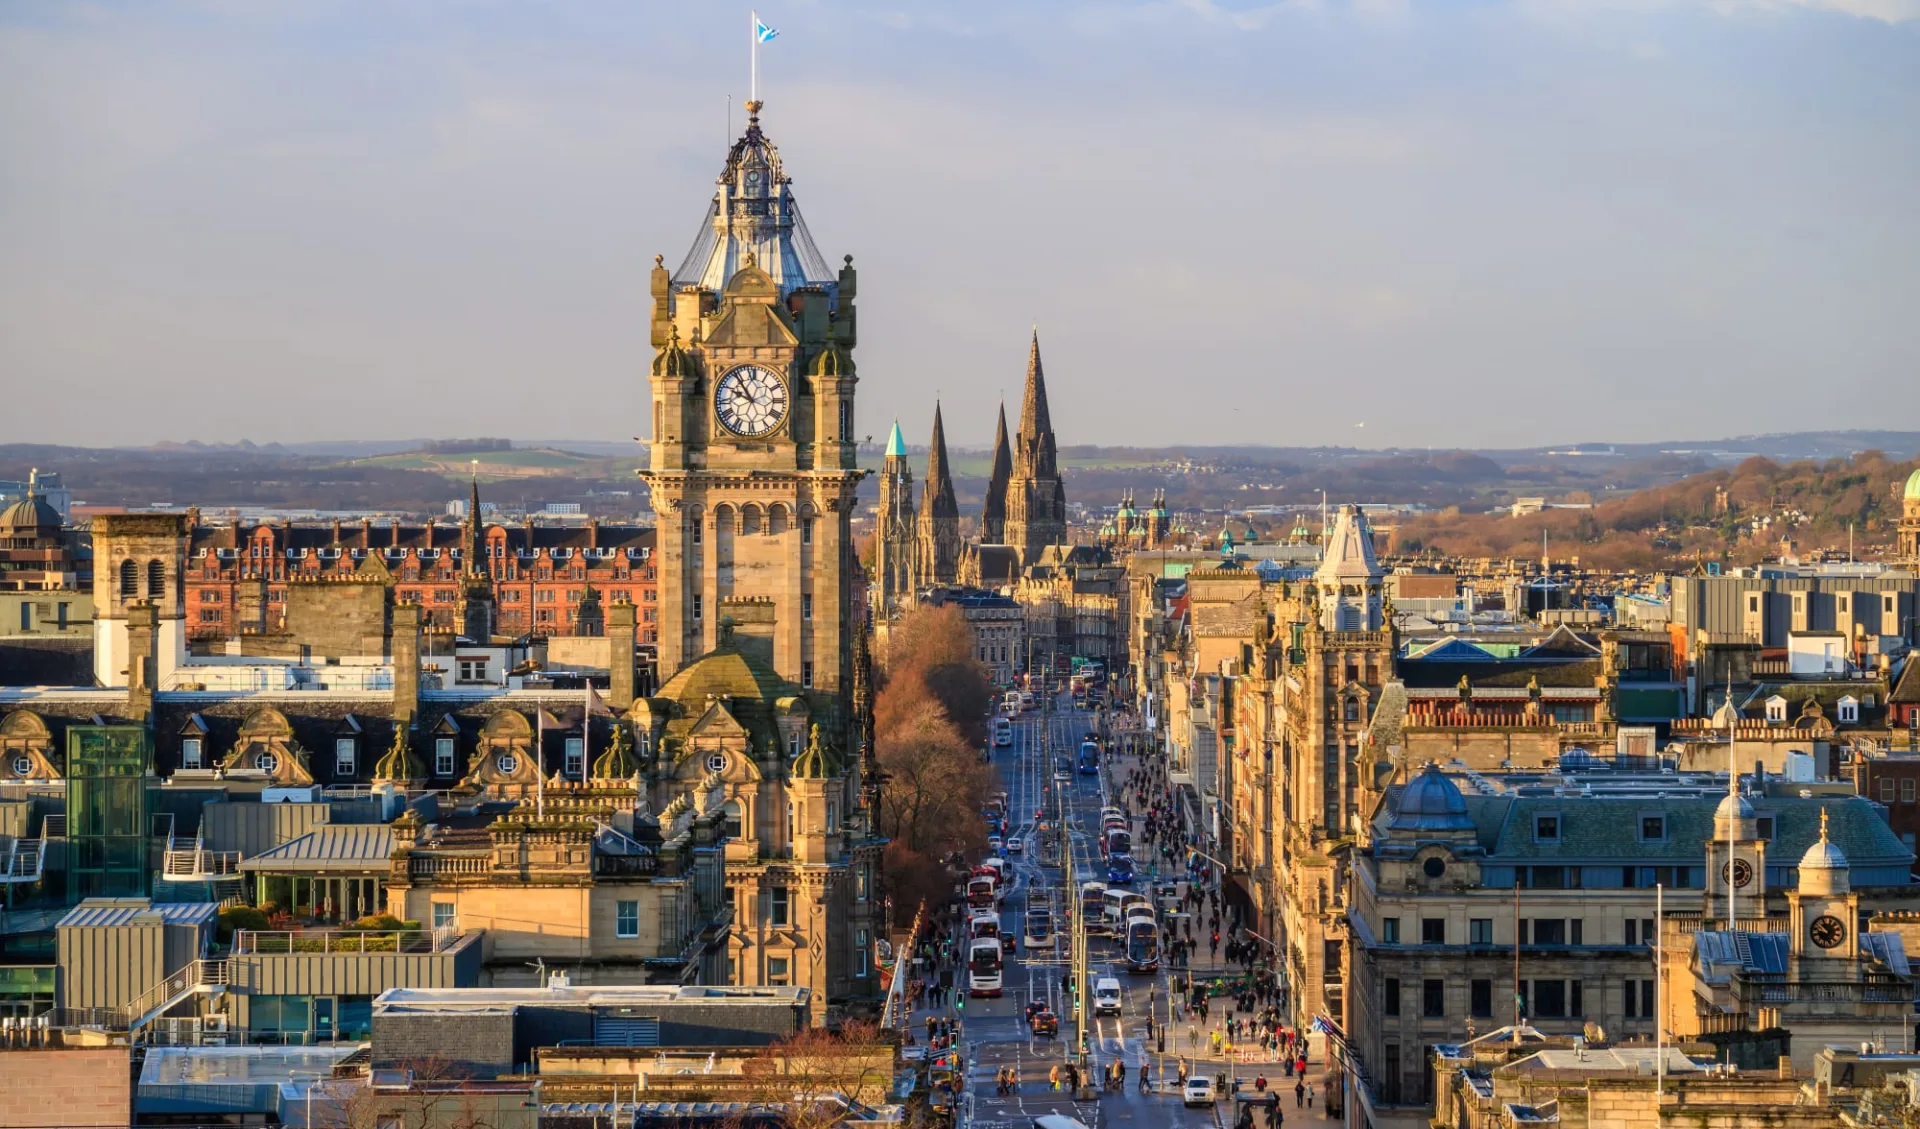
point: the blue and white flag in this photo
(761, 32)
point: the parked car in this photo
(1199, 1090)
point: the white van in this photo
(1106, 996)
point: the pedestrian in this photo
(1309, 1097)
(1299, 1093)
(1053, 1076)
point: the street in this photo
(994, 1033)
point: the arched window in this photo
(731, 819)
(129, 579)
(156, 580)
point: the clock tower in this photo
(751, 466)
(1823, 911)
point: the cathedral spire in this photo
(472, 549)
(993, 513)
(937, 527)
(1034, 420)
(939, 489)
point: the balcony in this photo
(448, 866)
(327, 942)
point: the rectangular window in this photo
(1633, 931)
(1631, 1000)
(1549, 931)
(576, 758)
(626, 919)
(1433, 930)
(1886, 789)
(473, 670)
(1390, 996)
(1480, 1002)
(860, 881)
(859, 966)
(806, 605)
(1576, 931)
(1546, 828)
(443, 915)
(1646, 999)
(1575, 1007)
(806, 673)
(806, 531)
(777, 906)
(443, 756)
(1480, 931)
(1765, 826)
(777, 971)
(696, 606)
(343, 757)
(1550, 999)
(1906, 790)
(1653, 828)
(1390, 930)
(190, 753)
(1433, 998)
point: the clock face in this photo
(1740, 870)
(1827, 931)
(750, 401)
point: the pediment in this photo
(751, 324)
(717, 724)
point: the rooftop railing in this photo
(344, 942)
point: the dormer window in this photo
(1546, 828)
(1848, 710)
(1777, 709)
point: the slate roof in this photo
(1906, 691)
(335, 847)
(1603, 829)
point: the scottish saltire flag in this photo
(762, 32)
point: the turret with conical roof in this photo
(1036, 498)
(937, 530)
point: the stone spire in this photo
(893, 545)
(993, 513)
(1035, 456)
(936, 558)
(472, 550)
(1036, 498)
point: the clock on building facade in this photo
(1740, 871)
(1827, 931)
(750, 401)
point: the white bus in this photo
(1002, 732)
(984, 964)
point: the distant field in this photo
(533, 462)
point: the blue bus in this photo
(1120, 871)
(1089, 759)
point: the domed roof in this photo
(30, 512)
(726, 672)
(1912, 491)
(1734, 807)
(1430, 802)
(1823, 855)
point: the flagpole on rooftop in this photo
(753, 36)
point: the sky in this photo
(1492, 223)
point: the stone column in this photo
(620, 635)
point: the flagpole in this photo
(539, 768)
(753, 37)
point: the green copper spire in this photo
(896, 443)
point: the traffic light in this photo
(960, 1002)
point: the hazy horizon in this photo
(1465, 226)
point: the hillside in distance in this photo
(1738, 515)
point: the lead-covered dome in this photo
(1430, 802)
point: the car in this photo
(1008, 943)
(1198, 1090)
(1106, 996)
(1043, 1023)
(993, 843)
(1016, 845)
